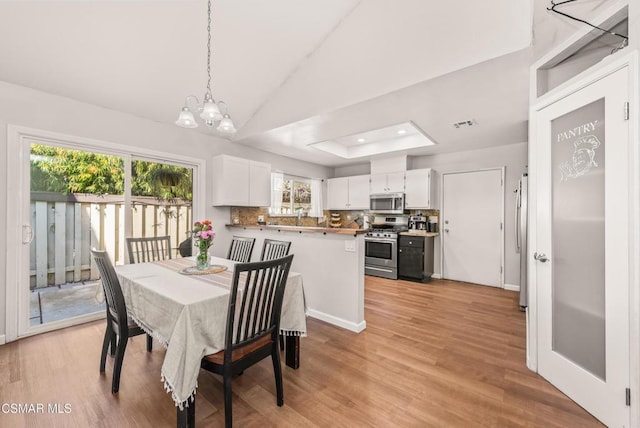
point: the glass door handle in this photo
(540, 257)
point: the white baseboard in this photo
(3, 339)
(436, 276)
(355, 327)
(511, 287)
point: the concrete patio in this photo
(65, 301)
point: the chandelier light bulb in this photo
(186, 119)
(210, 110)
(226, 125)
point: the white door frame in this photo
(17, 190)
(442, 215)
(607, 66)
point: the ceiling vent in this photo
(465, 124)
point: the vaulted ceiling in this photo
(293, 72)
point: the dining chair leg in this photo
(149, 343)
(277, 371)
(281, 342)
(105, 348)
(228, 415)
(117, 366)
(113, 344)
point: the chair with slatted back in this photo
(149, 249)
(253, 324)
(240, 249)
(119, 327)
(273, 249)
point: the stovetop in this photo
(387, 232)
(388, 226)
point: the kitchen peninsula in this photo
(331, 261)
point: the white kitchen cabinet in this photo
(259, 184)
(387, 183)
(348, 193)
(241, 182)
(418, 189)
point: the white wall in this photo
(348, 171)
(514, 158)
(27, 107)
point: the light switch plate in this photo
(350, 246)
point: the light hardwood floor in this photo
(443, 354)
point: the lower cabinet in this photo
(415, 258)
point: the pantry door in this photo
(581, 245)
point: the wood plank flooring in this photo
(443, 354)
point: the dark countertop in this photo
(301, 229)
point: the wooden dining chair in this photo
(149, 249)
(253, 324)
(119, 327)
(273, 249)
(240, 249)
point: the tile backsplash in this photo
(348, 219)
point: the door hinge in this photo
(627, 394)
(500, 269)
(626, 110)
(500, 225)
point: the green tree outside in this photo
(60, 170)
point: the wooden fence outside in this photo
(65, 227)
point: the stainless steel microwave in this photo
(387, 203)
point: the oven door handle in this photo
(391, 241)
(378, 269)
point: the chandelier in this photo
(214, 114)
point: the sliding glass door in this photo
(77, 197)
(161, 203)
(76, 200)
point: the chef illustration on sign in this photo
(584, 152)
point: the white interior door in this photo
(472, 235)
(582, 246)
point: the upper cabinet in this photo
(259, 184)
(392, 182)
(418, 189)
(241, 182)
(348, 193)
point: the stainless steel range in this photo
(381, 246)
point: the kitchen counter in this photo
(420, 233)
(330, 260)
(301, 229)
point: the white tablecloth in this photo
(188, 314)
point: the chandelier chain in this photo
(209, 48)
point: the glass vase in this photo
(202, 259)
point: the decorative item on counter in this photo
(335, 220)
(432, 225)
(203, 237)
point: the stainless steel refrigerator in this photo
(521, 236)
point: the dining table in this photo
(186, 311)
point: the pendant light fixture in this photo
(210, 111)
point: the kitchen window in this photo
(290, 195)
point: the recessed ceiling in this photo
(403, 136)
